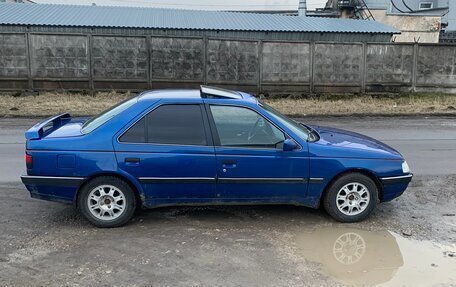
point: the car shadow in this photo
(230, 215)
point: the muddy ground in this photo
(407, 242)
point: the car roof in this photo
(203, 92)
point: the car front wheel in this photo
(107, 202)
(351, 198)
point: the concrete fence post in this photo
(260, 65)
(205, 59)
(364, 69)
(312, 68)
(149, 61)
(414, 66)
(90, 52)
(29, 61)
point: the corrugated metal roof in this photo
(157, 18)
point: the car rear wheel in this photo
(107, 202)
(351, 198)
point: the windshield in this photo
(293, 125)
(105, 116)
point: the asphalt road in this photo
(428, 143)
(409, 241)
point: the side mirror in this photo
(289, 145)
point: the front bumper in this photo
(397, 179)
(394, 186)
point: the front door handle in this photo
(228, 163)
(132, 160)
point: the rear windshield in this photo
(105, 116)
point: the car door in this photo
(169, 150)
(251, 163)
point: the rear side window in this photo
(136, 134)
(169, 124)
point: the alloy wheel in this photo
(106, 202)
(353, 198)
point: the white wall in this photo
(422, 29)
(452, 16)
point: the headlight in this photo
(405, 167)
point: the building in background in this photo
(135, 21)
(419, 20)
(448, 35)
(451, 17)
(48, 47)
(17, 1)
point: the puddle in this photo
(381, 258)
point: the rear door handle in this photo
(132, 160)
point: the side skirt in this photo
(155, 203)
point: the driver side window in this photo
(243, 127)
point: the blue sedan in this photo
(206, 147)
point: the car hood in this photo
(341, 143)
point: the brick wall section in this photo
(177, 59)
(62, 61)
(338, 64)
(60, 56)
(119, 58)
(13, 56)
(436, 67)
(286, 62)
(389, 64)
(232, 62)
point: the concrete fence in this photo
(34, 61)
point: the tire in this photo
(351, 198)
(107, 202)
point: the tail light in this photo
(28, 161)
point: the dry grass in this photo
(77, 104)
(46, 104)
(364, 104)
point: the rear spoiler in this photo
(45, 127)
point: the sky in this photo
(201, 4)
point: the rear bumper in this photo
(394, 186)
(51, 180)
(53, 188)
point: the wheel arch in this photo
(363, 171)
(135, 186)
